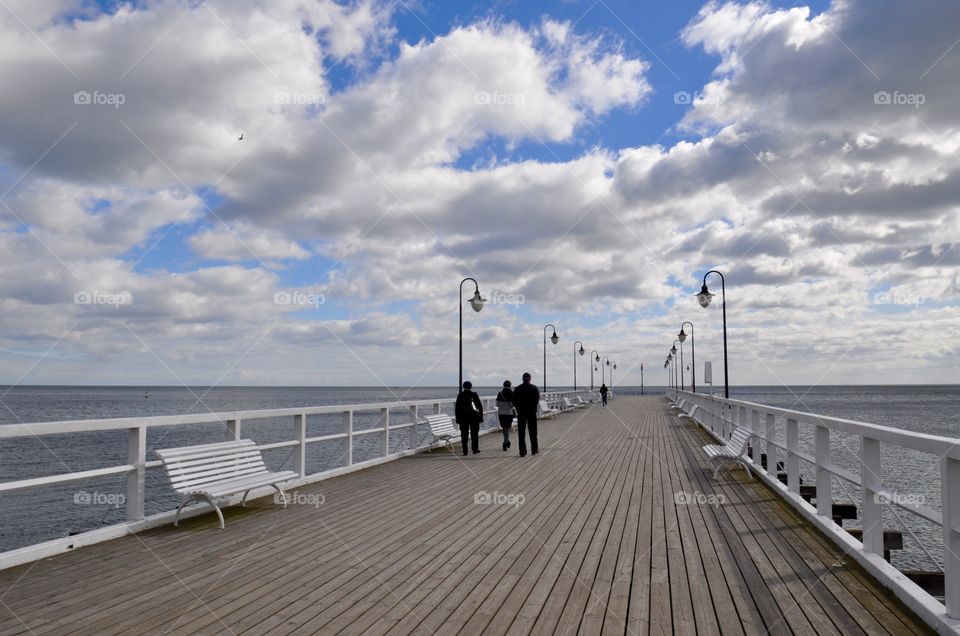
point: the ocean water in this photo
(50, 512)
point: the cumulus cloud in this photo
(810, 174)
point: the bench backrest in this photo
(738, 441)
(542, 405)
(192, 467)
(566, 403)
(441, 424)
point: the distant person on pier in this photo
(603, 393)
(469, 412)
(505, 412)
(526, 397)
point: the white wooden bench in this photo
(733, 450)
(568, 405)
(211, 471)
(443, 429)
(580, 402)
(544, 411)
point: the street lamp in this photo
(673, 350)
(611, 373)
(477, 303)
(581, 351)
(682, 336)
(595, 357)
(603, 370)
(554, 339)
(641, 378)
(704, 297)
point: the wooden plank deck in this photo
(598, 545)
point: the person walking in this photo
(526, 397)
(603, 393)
(469, 414)
(505, 412)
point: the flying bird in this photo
(240, 138)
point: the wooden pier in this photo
(616, 527)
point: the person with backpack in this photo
(603, 393)
(505, 412)
(469, 414)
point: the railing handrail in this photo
(30, 429)
(923, 442)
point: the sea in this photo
(45, 513)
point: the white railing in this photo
(779, 432)
(232, 424)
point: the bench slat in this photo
(225, 469)
(201, 449)
(213, 479)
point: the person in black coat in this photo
(526, 397)
(469, 414)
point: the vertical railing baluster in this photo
(769, 446)
(950, 493)
(136, 480)
(300, 434)
(824, 487)
(415, 418)
(871, 484)
(348, 429)
(233, 430)
(755, 425)
(793, 460)
(385, 414)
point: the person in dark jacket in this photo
(469, 414)
(505, 412)
(603, 393)
(526, 397)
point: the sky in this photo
(289, 192)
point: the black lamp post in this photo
(682, 336)
(594, 357)
(603, 370)
(554, 339)
(612, 369)
(581, 351)
(704, 297)
(477, 303)
(641, 378)
(683, 384)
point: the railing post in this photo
(950, 492)
(755, 426)
(769, 447)
(233, 430)
(300, 433)
(385, 414)
(824, 487)
(348, 429)
(415, 418)
(871, 485)
(136, 480)
(793, 460)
